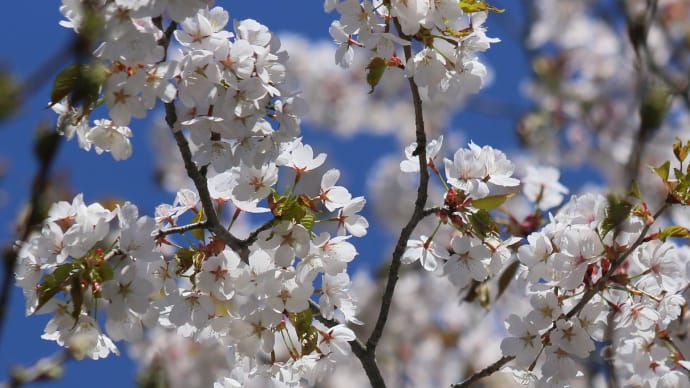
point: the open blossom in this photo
(350, 221)
(426, 252)
(481, 172)
(524, 341)
(411, 163)
(541, 185)
(332, 196)
(469, 260)
(111, 137)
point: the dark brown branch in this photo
(488, 371)
(368, 356)
(200, 183)
(181, 229)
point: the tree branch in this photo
(200, 183)
(488, 371)
(368, 357)
(181, 229)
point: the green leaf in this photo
(308, 221)
(104, 272)
(53, 283)
(490, 203)
(81, 82)
(184, 258)
(507, 276)
(9, 95)
(635, 191)
(64, 83)
(470, 6)
(663, 170)
(483, 225)
(617, 211)
(198, 234)
(676, 231)
(306, 333)
(375, 69)
(654, 106)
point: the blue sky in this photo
(32, 36)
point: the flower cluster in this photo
(447, 64)
(243, 278)
(256, 299)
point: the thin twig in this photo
(181, 229)
(488, 371)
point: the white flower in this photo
(425, 251)
(481, 172)
(541, 185)
(468, 261)
(344, 54)
(524, 343)
(545, 311)
(411, 163)
(254, 182)
(570, 337)
(332, 196)
(136, 238)
(108, 136)
(350, 221)
(122, 96)
(427, 68)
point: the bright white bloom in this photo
(301, 158)
(524, 342)
(468, 261)
(541, 185)
(579, 247)
(136, 234)
(411, 163)
(344, 54)
(332, 196)
(663, 264)
(426, 252)
(546, 310)
(254, 182)
(481, 172)
(335, 338)
(570, 337)
(219, 274)
(427, 67)
(350, 221)
(288, 240)
(122, 96)
(110, 137)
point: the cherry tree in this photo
(240, 277)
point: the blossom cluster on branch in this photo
(205, 299)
